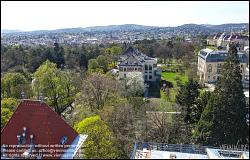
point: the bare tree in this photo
(99, 89)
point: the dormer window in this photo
(63, 140)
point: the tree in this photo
(6, 113)
(224, 118)
(186, 97)
(98, 89)
(200, 104)
(122, 123)
(134, 84)
(13, 84)
(113, 52)
(56, 85)
(100, 143)
(102, 62)
(9, 103)
(58, 56)
(93, 65)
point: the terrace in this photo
(185, 151)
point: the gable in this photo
(131, 61)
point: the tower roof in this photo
(41, 121)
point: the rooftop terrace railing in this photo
(183, 148)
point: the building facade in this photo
(210, 63)
(133, 60)
(222, 40)
(225, 39)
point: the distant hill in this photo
(183, 29)
(9, 31)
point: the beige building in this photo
(225, 39)
(213, 40)
(222, 40)
(210, 63)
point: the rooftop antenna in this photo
(22, 95)
(41, 98)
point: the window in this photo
(209, 69)
(124, 75)
(146, 77)
(150, 67)
(218, 71)
(241, 66)
(208, 77)
(146, 67)
(125, 69)
(150, 77)
(135, 69)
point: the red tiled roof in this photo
(41, 121)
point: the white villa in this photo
(133, 60)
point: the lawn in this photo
(170, 76)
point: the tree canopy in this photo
(100, 143)
(224, 118)
(56, 85)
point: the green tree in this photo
(13, 84)
(5, 116)
(56, 85)
(223, 120)
(9, 103)
(102, 62)
(93, 65)
(58, 55)
(200, 104)
(186, 97)
(100, 143)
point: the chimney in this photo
(19, 140)
(24, 135)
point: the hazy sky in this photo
(29, 16)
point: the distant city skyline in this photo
(50, 15)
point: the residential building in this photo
(210, 63)
(36, 131)
(133, 60)
(213, 40)
(186, 151)
(225, 39)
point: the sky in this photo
(49, 15)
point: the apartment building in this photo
(210, 63)
(222, 40)
(225, 39)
